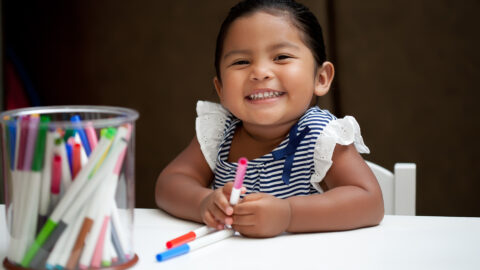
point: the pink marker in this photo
(237, 185)
(97, 254)
(23, 141)
(91, 135)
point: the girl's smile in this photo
(264, 95)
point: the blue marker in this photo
(198, 243)
(68, 148)
(12, 133)
(81, 133)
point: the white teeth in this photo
(264, 95)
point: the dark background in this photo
(407, 70)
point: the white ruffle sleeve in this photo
(210, 126)
(343, 131)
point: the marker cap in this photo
(190, 236)
(241, 168)
(174, 252)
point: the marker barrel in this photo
(190, 236)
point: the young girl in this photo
(305, 173)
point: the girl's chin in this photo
(264, 119)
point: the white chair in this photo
(398, 188)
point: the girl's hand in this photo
(215, 209)
(261, 215)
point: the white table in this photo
(399, 242)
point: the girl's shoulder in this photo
(343, 131)
(210, 125)
(316, 118)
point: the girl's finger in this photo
(245, 208)
(210, 220)
(248, 230)
(244, 220)
(253, 197)
(227, 189)
(222, 203)
(218, 214)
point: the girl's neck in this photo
(254, 141)
(267, 134)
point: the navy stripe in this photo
(264, 174)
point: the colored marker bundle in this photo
(61, 192)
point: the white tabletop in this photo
(399, 242)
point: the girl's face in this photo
(268, 74)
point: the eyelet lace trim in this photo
(209, 126)
(340, 131)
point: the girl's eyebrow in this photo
(273, 47)
(282, 45)
(236, 52)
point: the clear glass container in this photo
(69, 178)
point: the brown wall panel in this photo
(406, 71)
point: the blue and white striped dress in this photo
(295, 167)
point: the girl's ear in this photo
(324, 78)
(218, 86)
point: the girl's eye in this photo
(241, 62)
(282, 57)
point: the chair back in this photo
(398, 187)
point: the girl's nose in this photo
(260, 73)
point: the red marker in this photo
(190, 236)
(56, 178)
(76, 159)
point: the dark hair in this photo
(300, 15)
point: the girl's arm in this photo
(183, 184)
(353, 200)
(183, 190)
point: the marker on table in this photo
(198, 243)
(205, 230)
(190, 236)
